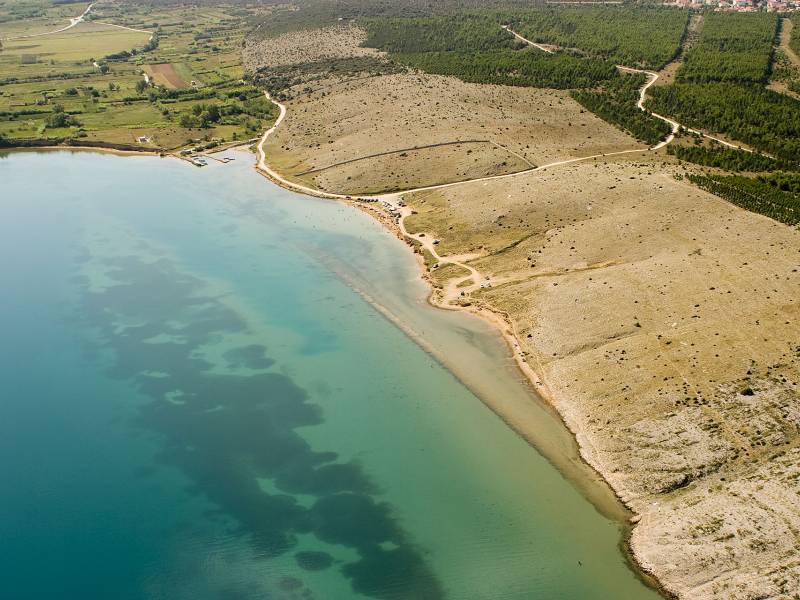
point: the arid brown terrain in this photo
(662, 321)
(335, 126)
(664, 324)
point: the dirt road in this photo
(652, 78)
(72, 22)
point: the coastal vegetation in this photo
(776, 196)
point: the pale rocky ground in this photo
(339, 41)
(647, 306)
(663, 321)
(395, 112)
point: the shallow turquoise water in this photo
(200, 400)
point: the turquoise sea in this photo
(213, 388)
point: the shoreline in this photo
(498, 321)
(626, 517)
(118, 150)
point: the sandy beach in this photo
(590, 480)
(565, 354)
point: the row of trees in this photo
(221, 103)
(730, 159)
(124, 55)
(279, 79)
(646, 37)
(766, 120)
(776, 196)
(509, 67)
(616, 103)
(207, 115)
(732, 47)
(227, 112)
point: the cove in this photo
(214, 388)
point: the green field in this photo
(75, 46)
(26, 17)
(95, 73)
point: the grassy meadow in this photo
(130, 75)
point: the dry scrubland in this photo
(663, 322)
(408, 117)
(509, 129)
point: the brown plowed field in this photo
(165, 74)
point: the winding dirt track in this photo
(393, 200)
(72, 22)
(652, 78)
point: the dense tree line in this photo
(124, 55)
(766, 120)
(646, 37)
(473, 47)
(311, 14)
(509, 67)
(776, 196)
(794, 41)
(781, 181)
(616, 103)
(277, 80)
(730, 159)
(465, 33)
(732, 47)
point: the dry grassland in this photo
(352, 120)
(665, 324)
